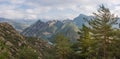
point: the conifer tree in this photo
(100, 40)
(62, 47)
(102, 31)
(86, 43)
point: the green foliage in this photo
(3, 50)
(49, 53)
(4, 55)
(45, 50)
(101, 28)
(86, 43)
(62, 47)
(28, 53)
(99, 40)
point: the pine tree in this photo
(116, 44)
(86, 43)
(62, 47)
(102, 31)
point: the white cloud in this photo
(33, 9)
(17, 1)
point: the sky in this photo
(53, 9)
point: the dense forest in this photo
(99, 39)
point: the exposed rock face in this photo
(50, 29)
(10, 34)
(12, 42)
(11, 38)
(33, 29)
(42, 29)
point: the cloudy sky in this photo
(53, 9)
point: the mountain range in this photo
(49, 29)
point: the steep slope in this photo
(54, 26)
(11, 39)
(51, 28)
(15, 46)
(19, 25)
(42, 47)
(42, 29)
(80, 20)
(10, 34)
(69, 30)
(35, 29)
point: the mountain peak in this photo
(39, 21)
(80, 20)
(7, 30)
(82, 15)
(4, 24)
